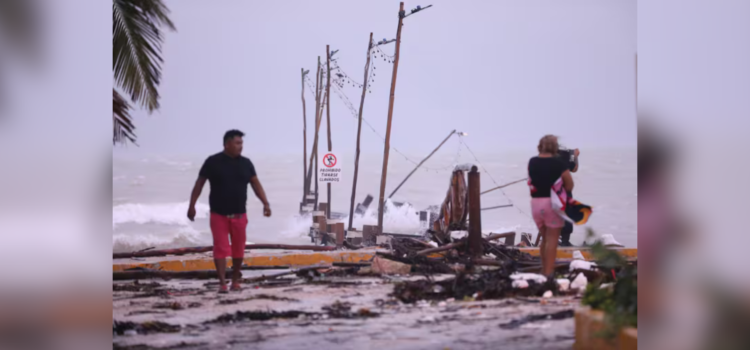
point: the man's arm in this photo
(197, 189)
(258, 189)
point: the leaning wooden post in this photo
(422, 162)
(381, 203)
(359, 132)
(313, 154)
(475, 214)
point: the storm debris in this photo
(534, 318)
(344, 310)
(132, 328)
(256, 297)
(259, 316)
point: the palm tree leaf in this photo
(123, 129)
(20, 28)
(137, 48)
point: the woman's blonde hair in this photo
(548, 144)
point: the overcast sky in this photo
(506, 72)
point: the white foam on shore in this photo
(183, 237)
(402, 219)
(161, 213)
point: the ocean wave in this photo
(160, 213)
(402, 219)
(184, 237)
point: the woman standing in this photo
(544, 170)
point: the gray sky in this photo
(506, 72)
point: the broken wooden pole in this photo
(359, 132)
(281, 274)
(475, 214)
(503, 186)
(498, 207)
(441, 249)
(420, 163)
(387, 147)
(510, 237)
(204, 249)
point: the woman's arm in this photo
(567, 181)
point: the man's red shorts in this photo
(226, 228)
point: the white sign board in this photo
(329, 168)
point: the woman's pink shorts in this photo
(544, 215)
(226, 228)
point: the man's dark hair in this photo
(231, 134)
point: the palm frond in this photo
(21, 28)
(122, 122)
(137, 43)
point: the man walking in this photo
(229, 173)
(570, 158)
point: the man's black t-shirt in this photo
(543, 173)
(228, 178)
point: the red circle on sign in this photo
(329, 160)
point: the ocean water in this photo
(151, 195)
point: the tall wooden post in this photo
(328, 120)
(320, 120)
(381, 204)
(304, 140)
(359, 132)
(475, 214)
(314, 154)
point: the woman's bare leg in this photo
(542, 244)
(549, 249)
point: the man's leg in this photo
(220, 232)
(238, 235)
(567, 230)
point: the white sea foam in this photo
(402, 219)
(160, 213)
(182, 237)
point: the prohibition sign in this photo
(329, 160)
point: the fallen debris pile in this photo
(132, 328)
(534, 318)
(490, 284)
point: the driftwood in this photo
(510, 237)
(183, 251)
(441, 249)
(146, 274)
(281, 274)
